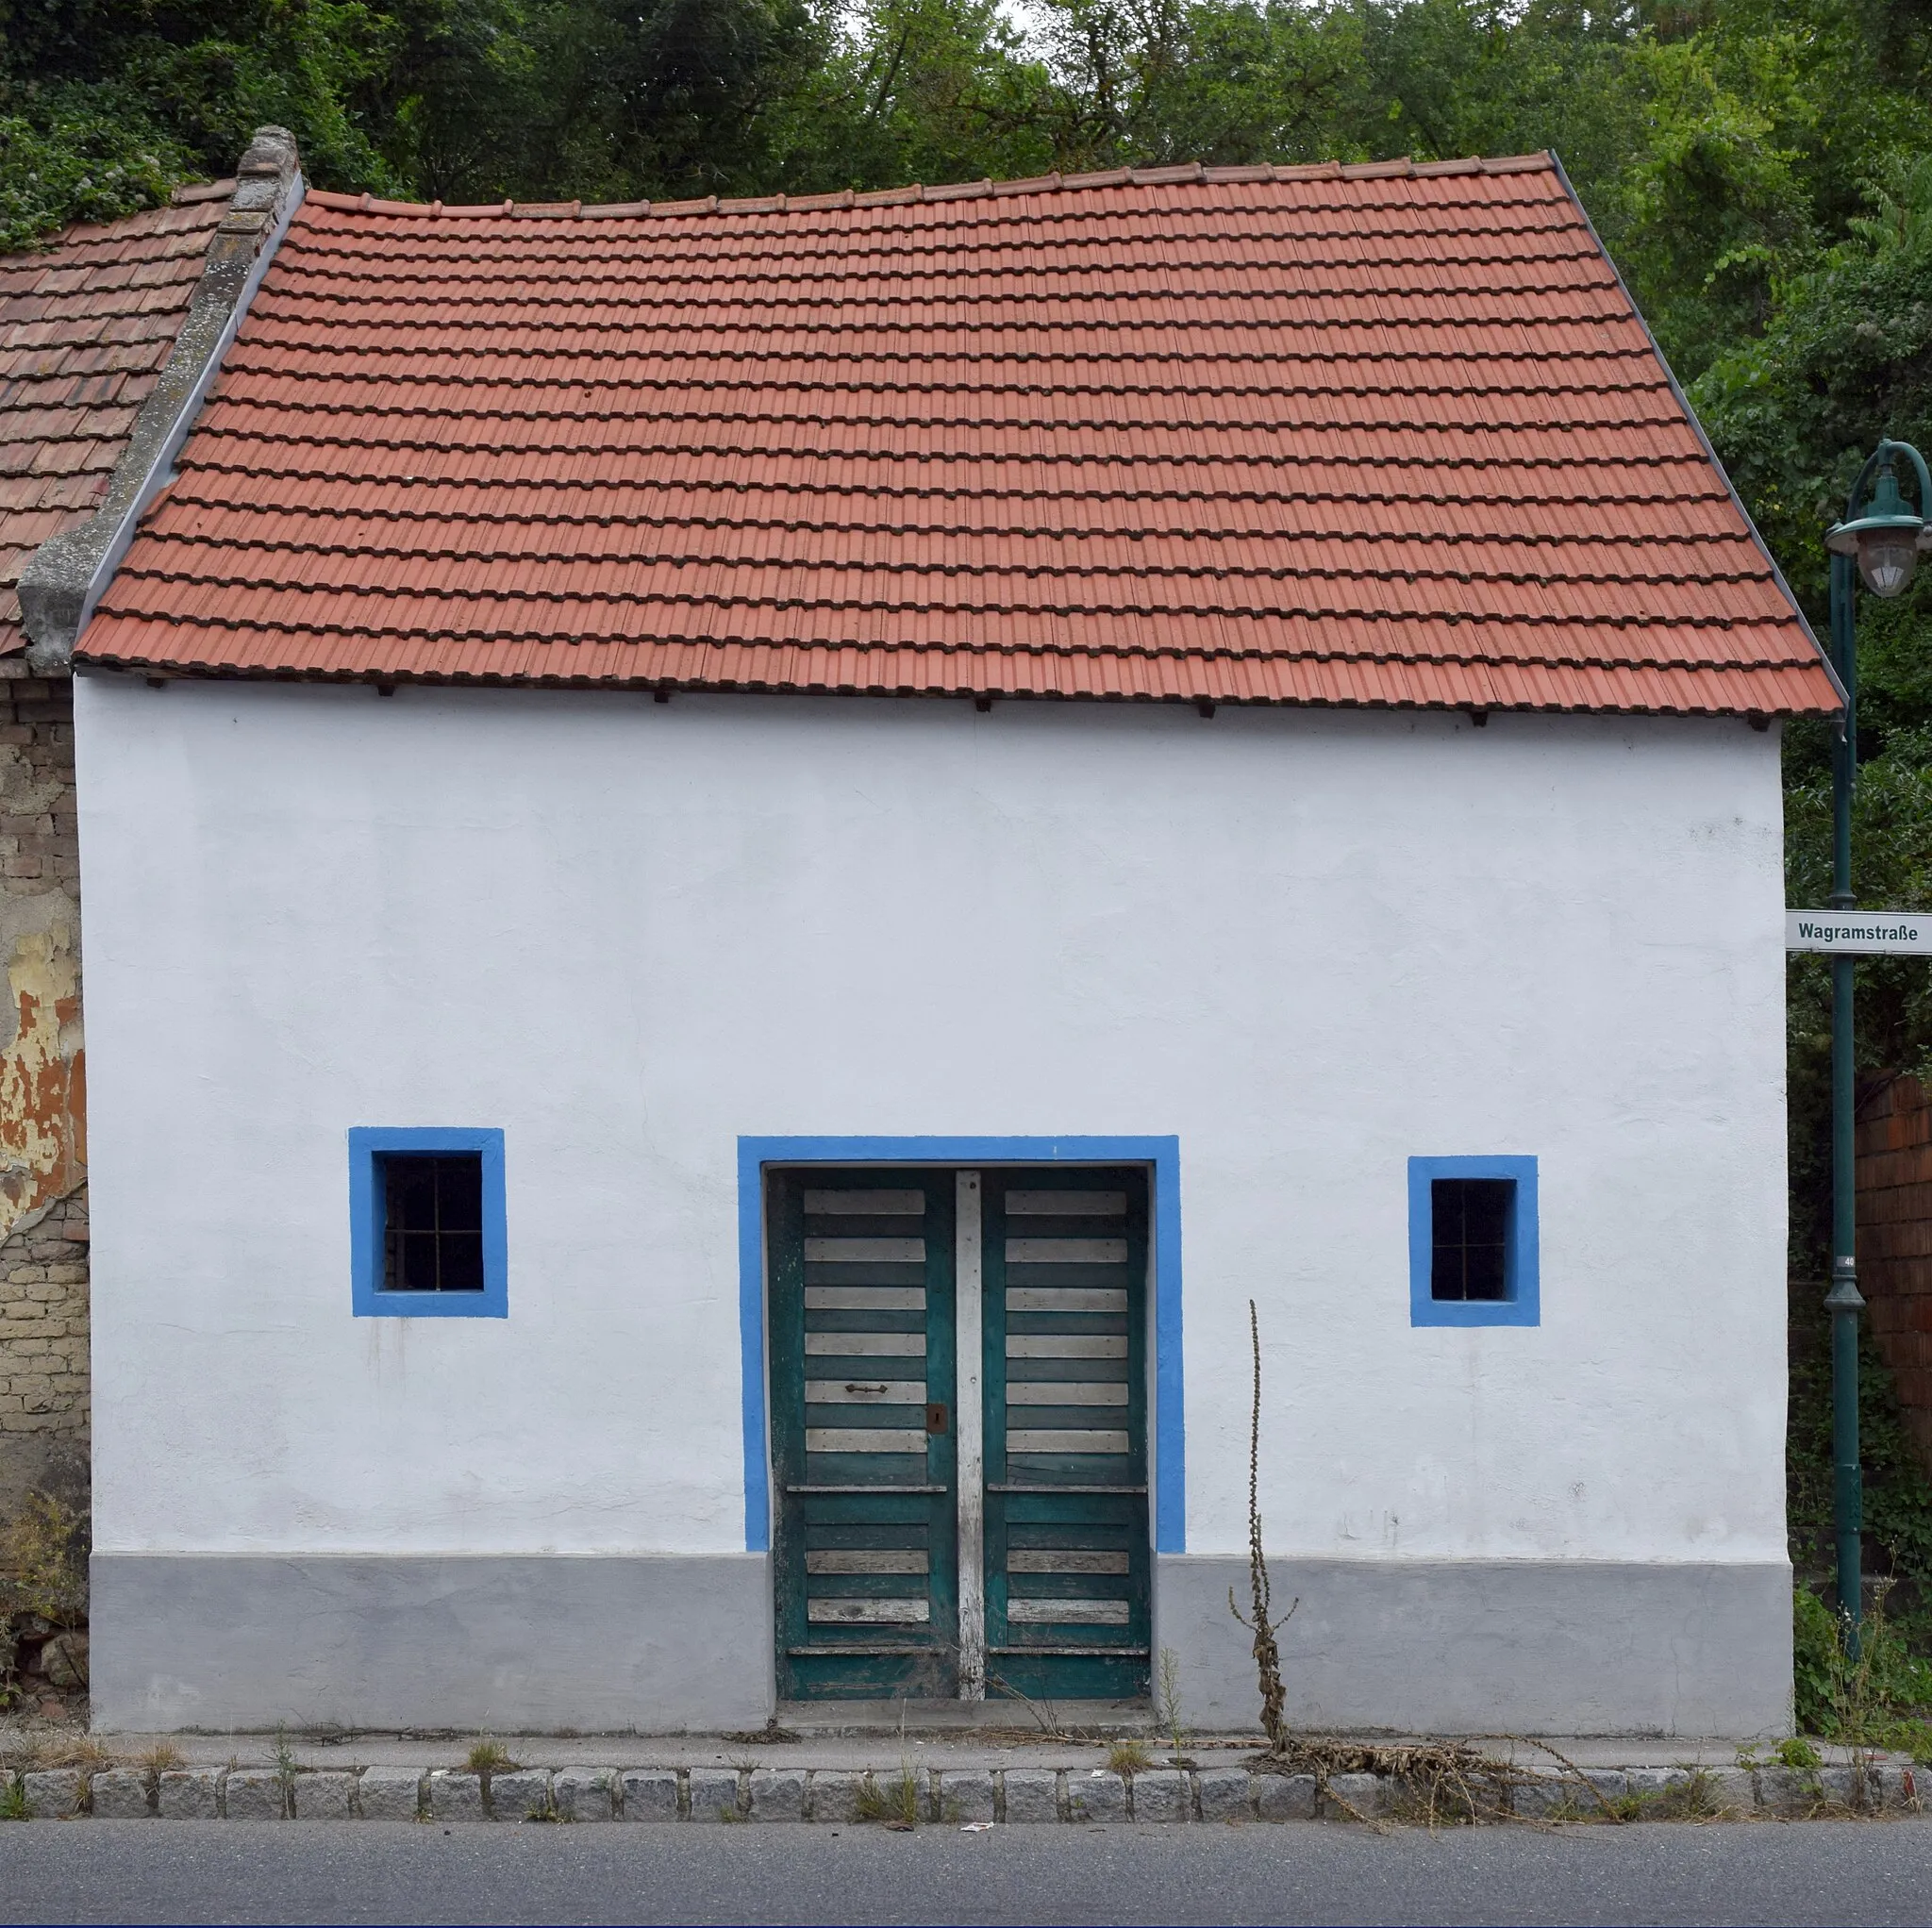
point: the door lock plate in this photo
(936, 1417)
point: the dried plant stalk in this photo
(1267, 1653)
(1441, 1781)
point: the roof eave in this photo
(163, 670)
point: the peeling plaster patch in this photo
(50, 913)
(43, 1077)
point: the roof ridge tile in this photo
(1179, 173)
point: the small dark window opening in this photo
(432, 1235)
(1470, 1237)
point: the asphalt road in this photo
(232, 1871)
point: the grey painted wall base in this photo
(598, 1642)
(661, 1643)
(1491, 1646)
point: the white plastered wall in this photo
(1311, 944)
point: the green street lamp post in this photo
(1882, 545)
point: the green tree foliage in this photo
(916, 91)
(188, 87)
(77, 160)
(1721, 147)
(1846, 358)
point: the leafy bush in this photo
(1814, 1656)
(43, 1563)
(1869, 1701)
(80, 162)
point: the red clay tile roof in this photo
(85, 328)
(1371, 436)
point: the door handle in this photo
(936, 1417)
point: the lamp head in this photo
(1884, 539)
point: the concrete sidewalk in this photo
(938, 1763)
(881, 1746)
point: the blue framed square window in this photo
(1473, 1242)
(427, 1234)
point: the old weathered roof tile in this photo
(1369, 435)
(85, 326)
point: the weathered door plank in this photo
(1068, 1561)
(860, 1308)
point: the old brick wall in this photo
(43, 1278)
(1894, 1146)
(44, 1366)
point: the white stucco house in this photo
(748, 866)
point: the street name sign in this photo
(1861, 933)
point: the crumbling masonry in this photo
(108, 342)
(43, 1229)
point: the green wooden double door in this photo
(958, 1386)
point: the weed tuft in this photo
(1693, 1798)
(163, 1757)
(1047, 1717)
(895, 1803)
(287, 1767)
(13, 1799)
(1129, 1756)
(1167, 1701)
(1874, 1697)
(489, 1756)
(71, 1750)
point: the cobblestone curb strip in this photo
(1094, 1797)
